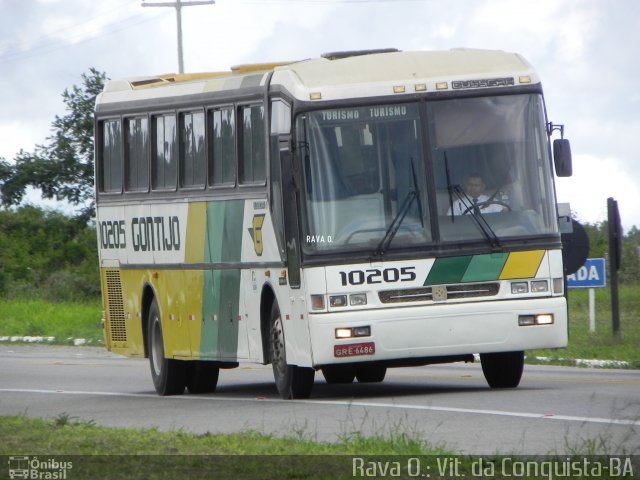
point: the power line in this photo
(66, 28)
(178, 4)
(73, 33)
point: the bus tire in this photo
(292, 381)
(168, 375)
(502, 370)
(339, 373)
(202, 377)
(371, 374)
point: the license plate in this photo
(354, 349)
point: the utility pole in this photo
(178, 4)
(615, 259)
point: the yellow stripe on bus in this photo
(522, 265)
(196, 225)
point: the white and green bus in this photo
(303, 214)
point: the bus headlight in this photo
(358, 299)
(343, 333)
(519, 287)
(353, 332)
(544, 319)
(338, 300)
(538, 286)
(540, 319)
(526, 320)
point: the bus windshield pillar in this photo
(291, 229)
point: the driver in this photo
(474, 187)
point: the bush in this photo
(67, 286)
(46, 254)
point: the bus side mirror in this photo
(562, 157)
(575, 248)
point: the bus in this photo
(302, 214)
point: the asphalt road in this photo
(556, 410)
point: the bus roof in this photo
(397, 72)
(344, 75)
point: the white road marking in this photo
(541, 416)
(405, 406)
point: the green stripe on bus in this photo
(484, 268)
(221, 296)
(448, 270)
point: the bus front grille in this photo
(453, 292)
(117, 326)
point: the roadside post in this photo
(615, 256)
(591, 275)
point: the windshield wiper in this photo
(395, 224)
(417, 191)
(478, 218)
(404, 209)
(449, 185)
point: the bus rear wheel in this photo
(168, 375)
(292, 381)
(502, 370)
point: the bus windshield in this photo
(402, 176)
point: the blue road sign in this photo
(590, 275)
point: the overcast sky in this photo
(586, 51)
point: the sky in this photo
(586, 52)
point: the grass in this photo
(66, 321)
(602, 344)
(89, 451)
(101, 452)
(67, 435)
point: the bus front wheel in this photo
(202, 376)
(371, 374)
(292, 381)
(339, 373)
(168, 375)
(502, 370)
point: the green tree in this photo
(598, 239)
(63, 167)
(630, 268)
(5, 171)
(598, 234)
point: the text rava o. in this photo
(148, 234)
(376, 275)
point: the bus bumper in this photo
(423, 332)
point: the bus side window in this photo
(251, 155)
(222, 154)
(111, 166)
(165, 153)
(192, 157)
(137, 154)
